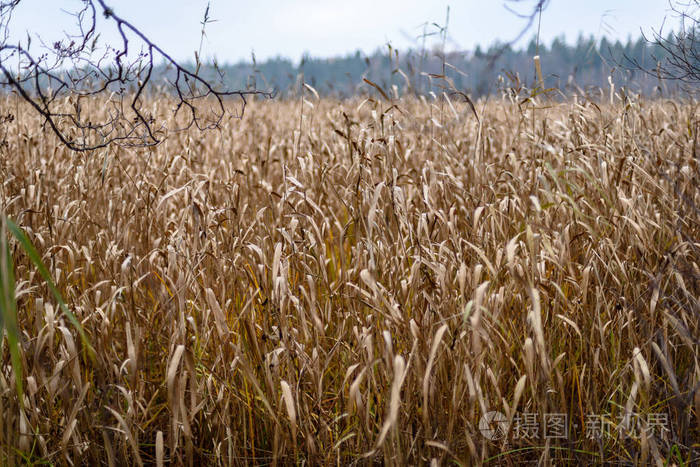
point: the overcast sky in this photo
(326, 28)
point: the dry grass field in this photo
(334, 282)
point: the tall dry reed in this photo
(362, 281)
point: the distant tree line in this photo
(585, 66)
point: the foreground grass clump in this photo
(354, 282)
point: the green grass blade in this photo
(8, 310)
(33, 255)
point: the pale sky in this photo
(325, 28)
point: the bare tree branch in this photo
(67, 76)
(538, 6)
(677, 56)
